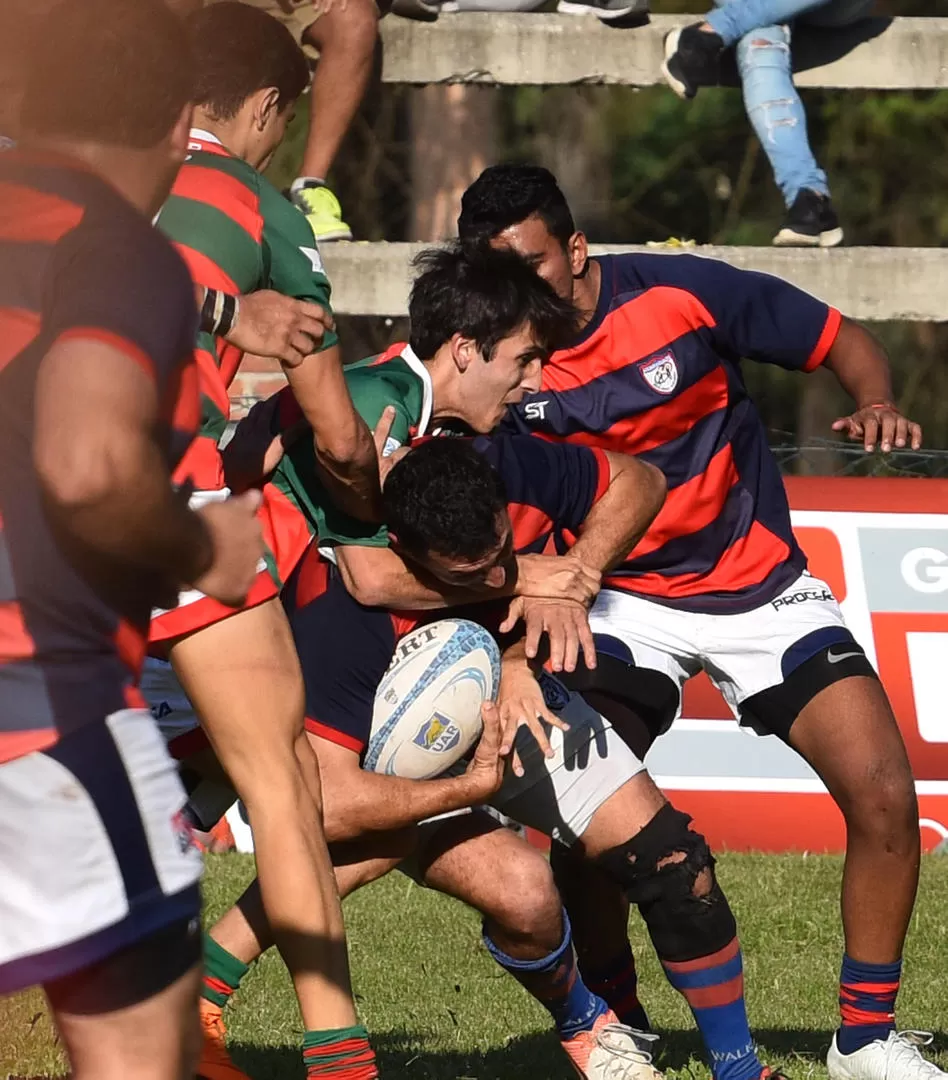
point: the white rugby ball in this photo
(428, 706)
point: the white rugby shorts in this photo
(743, 654)
(95, 853)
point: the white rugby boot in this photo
(612, 1051)
(899, 1057)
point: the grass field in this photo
(438, 1008)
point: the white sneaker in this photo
(620, 1054)
(896, 1058)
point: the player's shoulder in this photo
(224, 164)
(279, 212)
(633, 272)
(386, 375)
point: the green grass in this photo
(439, 1009)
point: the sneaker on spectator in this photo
(810, 222)
(692, 59)
(607, 10)
(321, 208)
(419, 10)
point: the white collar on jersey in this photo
(199, 135)
(427, 402)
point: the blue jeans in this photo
(760, 31)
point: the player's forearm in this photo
(344, 447)
(860, 364)
(116, 501)
(379, 803)
(620, 518)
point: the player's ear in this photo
(577, 249)
(266, 107)
(464, 352)
(180, 134)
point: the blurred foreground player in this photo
(719, 582)
(99, 897)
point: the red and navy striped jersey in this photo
(657, 373)
(345, 648)
(76, 261)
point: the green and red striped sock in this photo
(222, 972)
(342, 1054)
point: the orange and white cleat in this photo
(215, 1063)
(612, 1051)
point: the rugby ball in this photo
(428, 706)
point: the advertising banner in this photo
(882, 546)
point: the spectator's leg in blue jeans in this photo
(770, 98)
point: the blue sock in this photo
(867, 995)
(713, 986)
(555, 982)
(617, 984)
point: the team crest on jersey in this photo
(438, 734)
(661, 372)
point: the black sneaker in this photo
(810, 222)
(606, 10)
(692, 59)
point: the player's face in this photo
(491, 571)
(535, 244)
(489, 386)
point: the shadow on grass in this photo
(401, 1054)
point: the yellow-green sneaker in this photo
(322, 210)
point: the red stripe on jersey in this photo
(286, 531)
(403, 622)
(333, 735)
(225, 193)
(114, 341)
(35, 217)
(16, 642)
(133, 698)
(229, 360)
(745, 563)
(604, 469)
(650, 322)
(693, 505)
(390, 353)
(206, 612)
(130, 644)
(212, 383)
(201, 464)
(206, 272)
(18, 328)
(182, 408)
(17, 744)
(313, 578)
(529, 524)
(830, 330)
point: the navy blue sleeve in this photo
(752, 315)
(123, 283)
(550, 486)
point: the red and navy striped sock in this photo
(222, 973)
(617, 984)
(867, 995)
(714, 988)
(342, 1054)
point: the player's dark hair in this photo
(447, 498)
(115, 72)
(240, 50)
(505, 195)
(484, 295)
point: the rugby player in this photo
(476, 504)
(238, 665)
(655, 372)
(99, 897)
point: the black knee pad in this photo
(773, 711)
(651, 695)
(681, 924)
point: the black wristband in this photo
(208, 319)
(228, 315)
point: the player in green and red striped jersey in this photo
(239, 667)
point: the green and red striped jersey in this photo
(237, 233)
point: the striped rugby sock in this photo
(342, 1054)
(867, 995)
(222, 973)
(617, 984)
(713, 986)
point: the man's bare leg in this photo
(243, 677)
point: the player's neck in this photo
(141, 177)
(586, 292)
(441, 370)
(232, 134)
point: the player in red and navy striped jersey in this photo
(718, 582)
(98, 403)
